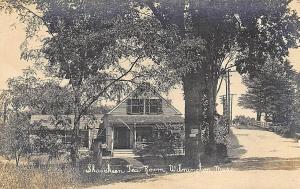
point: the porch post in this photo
(131, 136)
(134, 135)
(89, 139)
(112, 140)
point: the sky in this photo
(12, 34)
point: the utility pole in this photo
(231, 100)
(227, 99)
(229, 95)
(223, 102)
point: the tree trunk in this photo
(75, 143)
(97, 154)
(258, 116)
(200, 106)
(76, 128)
(193, 118)
(210, 93)
(199, 86)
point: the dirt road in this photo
(261, 160)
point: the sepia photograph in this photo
(149, 94)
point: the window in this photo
(144, 106)
(153, 106)
(135, 106)
(67, 137)
(84, 138)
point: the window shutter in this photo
(141, 106)
(129, 106)
(147, 107)
(159, 106)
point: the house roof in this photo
(151, 89)
(66, 121)
(144, 119)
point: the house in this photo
(62, 126)
(141, 118)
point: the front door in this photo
(121, 138)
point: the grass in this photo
(58, 176)
(28, 177)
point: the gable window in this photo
(135, 106)
(144, 106)
(153, 106)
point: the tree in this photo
(14, 136)
(86, 45)
(254, 98)
(39, 96)
(27, 95)
(297, 103)
(193, 40)
(271, 91)
(190, 39)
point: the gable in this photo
(145, 92)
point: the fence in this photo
(264, 125)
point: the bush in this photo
(166, 145)
(244, 121)
(281, 130)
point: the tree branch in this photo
(156, 13)
(87, 104)
(220, 84)
(21, 6)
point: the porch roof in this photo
(66, 121)
(144, 119)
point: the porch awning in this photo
(145, 119)
(167, 126)
(65, 122)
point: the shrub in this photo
(244, 121)
(281, 129)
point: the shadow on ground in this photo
(265, 163)
(249, 127)
(235, 150)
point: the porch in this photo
(127, 140)
(131, 136)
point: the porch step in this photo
(123, 153)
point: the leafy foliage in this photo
(27, 95)
(271, 91)
(164, 144)
(86, 44)
(297, 104)
(190, 33)
(183, 39)
(209, 38)
(37, 96)
(244, 120)
(14, 136)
